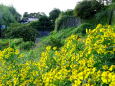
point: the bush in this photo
(102, 17)
(4, 43)
(82, 28)
(59, 21)
(14, 43)
(87, 9)
(26, 45)
(55, 41)
(23, 31)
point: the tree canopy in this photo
(8, 15)
(54, 14)
(87, 9)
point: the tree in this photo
(25, 14)
(43, 24)
(33, 15)
(87, 9)
(8, 15)
(69, 12)
(54, 14)
(15, 14)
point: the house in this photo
(32, 19)
(2, 26)
(28, 20)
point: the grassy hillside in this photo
(16, 43)
(81, 60)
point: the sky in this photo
(39, 5)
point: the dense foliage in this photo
(21, 31)
(8, 15)
(82, 28)
(80, 62)
(87, 9)
(54, 14)
(43, 24)
(16, 44)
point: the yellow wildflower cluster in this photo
(80, 62)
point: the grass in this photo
(54, 39)
(16, 43)
(4, 43)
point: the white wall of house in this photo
(32, 19)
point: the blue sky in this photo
(40, 5)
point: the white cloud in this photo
(40, 5)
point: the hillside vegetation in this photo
(75, 47)
(79, 61)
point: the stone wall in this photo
(67, 22)
(70, 22)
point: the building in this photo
(28, 20)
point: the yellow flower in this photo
(17, 52)
(76, 83)
(105, 67)
(99, 26)
(112, 67)
(106, 77)
(54, 48)
(48, 48)
(112, 84)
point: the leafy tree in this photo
(15, 14)
(105, 2)
(87, 9)
(33, 15)
(8, 15)
(43, 24)
(54, 14)
(25, 14)
(69, 12)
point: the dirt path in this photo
(38, 39)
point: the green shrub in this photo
(102, 17)
(14, 43)
(55, 41)
(4, 43)
(59, 21)
(26, 45)
(82, 28)
(22, 31)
